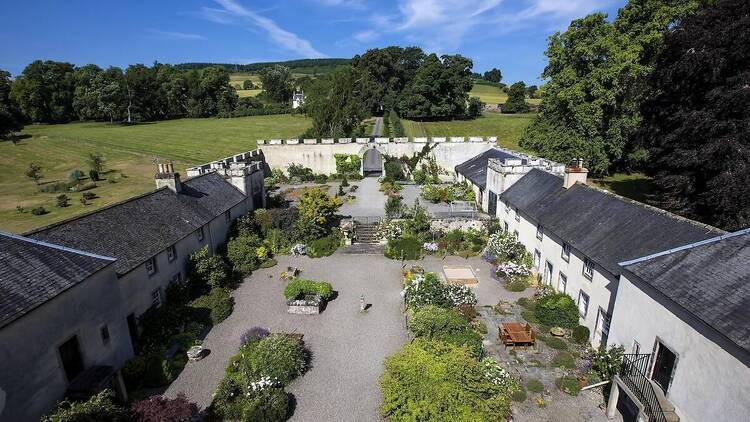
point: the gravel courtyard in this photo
(348, 347)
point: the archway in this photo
(372, 163)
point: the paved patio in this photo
(348, 347)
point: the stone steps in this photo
(362, 249)
(366, 233)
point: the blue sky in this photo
(508, 34)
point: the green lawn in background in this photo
(129, 152)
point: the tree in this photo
(385, 73)
(100, 407)
(335, 106)
(697, 125)
(317, 206)
(10, 116)
(531, 91)
(44, 91)
(474, 108)
(247, 84)
(493, 75)
(595, 84)
(95, 161)
(516, 102)
(141, 92)
(86, 92)
(439, 90)
(277, 84)
(34, 172)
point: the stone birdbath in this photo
(195, 353)
(557, 331)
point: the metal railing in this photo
(633, 373)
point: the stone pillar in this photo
(614, 395)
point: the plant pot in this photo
(195, 353)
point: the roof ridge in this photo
(92, 212)
(55, 246)
(651, 207)
(686, 247)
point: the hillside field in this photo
(129, 152)
(492, 94)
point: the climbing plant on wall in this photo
(347, 163)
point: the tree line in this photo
(662, 88)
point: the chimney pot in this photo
(576, 172)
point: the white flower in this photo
(430, 247)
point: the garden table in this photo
(518, 334)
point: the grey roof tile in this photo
(475, 168)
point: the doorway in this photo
(492, 204)
(70, 355)
(603, 321)
(664, 366)
(372, 163)
(547, 278)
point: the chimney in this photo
(575, 172)
(239, 176)
(166, 176)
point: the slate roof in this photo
(605, 227)
(137, 229)
(32, 272)
(475, 168)
(711, 280)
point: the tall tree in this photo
(385, 73)
(335, 105)
(440, 89)
(141, 93)
(86, 92)
(44, 91)
(277, 83)
(591, 104)
(697, 125)
(493, 75)
(10, 117)
(516, 102)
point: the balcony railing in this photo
(633, 373)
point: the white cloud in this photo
(172, 35)
(232, 12)
(366, 36)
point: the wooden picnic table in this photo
(517, 334)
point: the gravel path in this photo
(370, 200)
(348, 347)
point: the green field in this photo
(636, 186)
(507, 127)
(129, 151)
(492, 94)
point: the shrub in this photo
(407, 247)
(607, 363)
(432, 380)
(62, 200)
(569, 385)
(427, 289)
(393, 207)
(469, 312)
(525, 303)
(304, 174)
(278, 356)
(242, 253)
(556, 343)
(519, 395)
(393, 170)
(88, 195)
(217, 305)
(93, 175)
(133, 372)
(325, 246)
(54, 187)
(207, 270)
(100, 407)
(253, 334)
(233, 402)
(557, 310)
(160, 370)
(38, 211)
(564, 360)
(580, 334)
(517, 285)
(535, 386)
(445, 325)
(299, 288)
(162, 409)
(75, 175)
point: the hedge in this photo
(299, 288)
(557, 310)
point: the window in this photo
(515, 234)
(70, 355)
(105, 334)
(588, 268)
(171, 253)
(562, 284)
(156, 298)
(636, 347)
(199, 234)
(539, 233)
(176, 279)
(583, 303)
(227, 216)
(505, 226)
(518, 216)
(537, 258)
(507, 208)
(565, 252)
(151, 266)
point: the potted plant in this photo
(307, 297)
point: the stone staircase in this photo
(366, 233)
(667, 407)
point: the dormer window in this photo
(539, 232)
(199, 234)
(588, 268)
(171, 253)
(151, 266)
(565, 252)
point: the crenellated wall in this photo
(318, 154)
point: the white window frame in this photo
(151, 265)
(585, 311)
(156, 298)
(588, 268)
(171, 253)
(565, 254)
(199, 233)
(539, 232)
(562, 279)
(506, 227)
(537, 259)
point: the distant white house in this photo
(298, 99)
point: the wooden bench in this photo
(516, 334)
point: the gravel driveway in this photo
(348, 347)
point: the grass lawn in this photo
(248, 92)
(636, 186)
(491, 94)
(507, 127)
(128, 150)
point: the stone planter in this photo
(195, 353)
(305, 306)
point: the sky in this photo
(508, 34)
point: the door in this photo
(492, 205)
(70, 355)
(548, 272)
(664, 365)
(132, 329)
(603, 321)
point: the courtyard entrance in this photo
(372, 163)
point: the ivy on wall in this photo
(347, 163)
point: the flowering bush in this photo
(390, 230)
(299, 249)
(504, 247)
(262, 384)
(160, 409)
(252, 335)
(510, 270)
(458, 294)
(427, 289)
(430, 246)
(497, 375)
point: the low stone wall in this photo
(304, 307)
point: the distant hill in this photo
(306, 66)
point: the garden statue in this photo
(362, 303)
